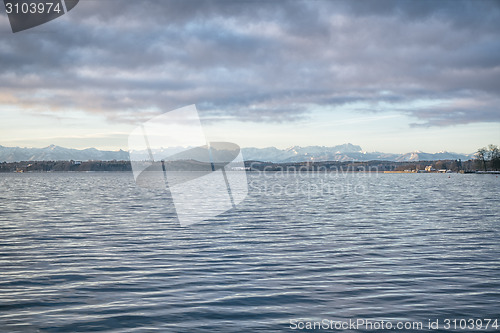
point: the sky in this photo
(390, 76)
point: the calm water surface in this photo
(85, 252)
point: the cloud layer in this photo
(259, 60)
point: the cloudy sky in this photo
(392, 76)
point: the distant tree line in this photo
(488, 158)
(353, 166)
(453, 165)
(48, 166)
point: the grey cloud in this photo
(454, 116)
(258, 60)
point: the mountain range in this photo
(345, 152)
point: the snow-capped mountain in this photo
(442, 155)
(56, 153)
(345, 152)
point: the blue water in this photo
(86, 252)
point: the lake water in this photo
(85, 252)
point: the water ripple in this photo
(92, 252)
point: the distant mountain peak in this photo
(57, 153)
(344, 152)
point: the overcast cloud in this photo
(260, 60)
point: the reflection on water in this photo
(83, 252)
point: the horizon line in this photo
(250, 147)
